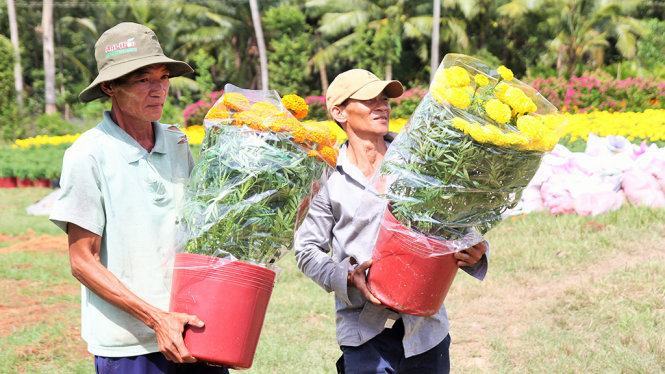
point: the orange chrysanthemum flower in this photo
(236, 101)
(218, 111)
(296, 105)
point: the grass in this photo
(563, 294)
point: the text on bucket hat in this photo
(124, 48)
(360, 84)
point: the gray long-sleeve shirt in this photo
(345, 216)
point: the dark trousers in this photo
(153, 363)
(385, 354)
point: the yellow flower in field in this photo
(498, 111)
(455, 76)
(481, 80)
(236, 101)
(194, 134)
(505, 73)
(518, 100)
(458, 97)
(500, 91)
(296, 105)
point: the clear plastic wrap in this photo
(470, 148)
(257, 163)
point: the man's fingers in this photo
(183, 353)
(369, 296)
(194, 321)
(364, 266)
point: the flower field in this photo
(45, 152)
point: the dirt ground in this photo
(23, 302)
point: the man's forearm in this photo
(98, 279)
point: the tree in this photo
(289, 48)
(261, 44)
(49, 56)
(18, 72)
(436, 21)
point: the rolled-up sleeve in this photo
(312, 245)
(81, 201)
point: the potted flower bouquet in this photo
(257, 163)
(470, 148)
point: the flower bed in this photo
(45, 152)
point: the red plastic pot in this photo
(411, 273)
(41, 182)
(22, 182)
(231, 297)
(8, 182)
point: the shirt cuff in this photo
(479, 270)
(340, 280)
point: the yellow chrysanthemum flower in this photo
(505, 73)
(461, 124)
(296, 105)
(236, 101)
(481, 80)
(282, 124)
(498, 111)
(500, 91)
(458, 97)
(530, 126)
(456, 76)
(519, 101)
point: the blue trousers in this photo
(385, 354)
(153, 363)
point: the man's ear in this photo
(106, 88)
(338, 114)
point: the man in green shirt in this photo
(122, 185)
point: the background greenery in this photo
(310, 42)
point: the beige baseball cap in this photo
(124, 48)
(360, 84)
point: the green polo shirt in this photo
(132, 198)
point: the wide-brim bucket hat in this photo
(124, 48)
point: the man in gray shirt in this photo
(345, 218)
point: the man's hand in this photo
(471, 255)
(169, 328)
(358, 279)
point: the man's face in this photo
(142, 94)
(368, 116)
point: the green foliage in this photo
(203, 62)
(650, 48)
(32, 163)
(53, 124)
(244, 194)
(290, 49)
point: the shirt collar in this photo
(130, 149)
(345, 166)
